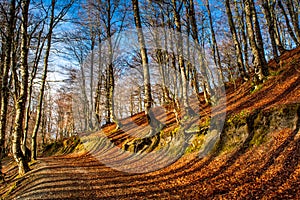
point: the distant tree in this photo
(240, 15)
(54, 20)
(287, 19)
(293, 9)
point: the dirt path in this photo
(265, 172)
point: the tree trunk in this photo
(39, 50)
(237, 44)
(98, 97)
(258, 60)
(259, 39)
(215, 48)
(154, 123)
(146, 72)
(160, 55)
(205, 83)
(91, 125)
(188, 110)
(294, 15)
(4, 82)
(42, 88)
(21, 99)
(290, 30)
(268, 8)
(243, 31)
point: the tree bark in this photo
(4, 82)
(215, 48)
(294, 15)
(259, 39)
(237, 44)
(290, 30)
(143, 50)
(39, 50)
(154, 123)
(91, 125)
(260, 69)
(182, 68)
(268, 8)
(21, 99)
(206, 87)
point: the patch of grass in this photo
(52, 148)
(167, 137)
(261, 127)
(62, 147)
(256, 88)
(11, 189)
(258, 139)
(276, 73)
(239, 118)
(196, 144)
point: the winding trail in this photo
(271, 170)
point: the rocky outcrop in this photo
(245, 130)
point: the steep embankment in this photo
(256, 157)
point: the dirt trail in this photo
(232, 176)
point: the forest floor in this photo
(267, 171)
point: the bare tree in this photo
(54, 20)
(261, 69)
(289, 27)
(215, 48)
(143, 50)
(21, 96)
(269, 10)
(154, 123)
(238, 49)
(205, 82)
(7, 50)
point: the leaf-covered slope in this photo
(254, 168)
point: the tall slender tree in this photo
(261, 69)
(21, 96)
(237, 45)
(154, 123)
(269, 7)
(215, 47)
(143, 50)
(182, 67)
(195, 35)
(7, 47)
(287, 20)
(54, 20)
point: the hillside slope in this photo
(257, 156)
